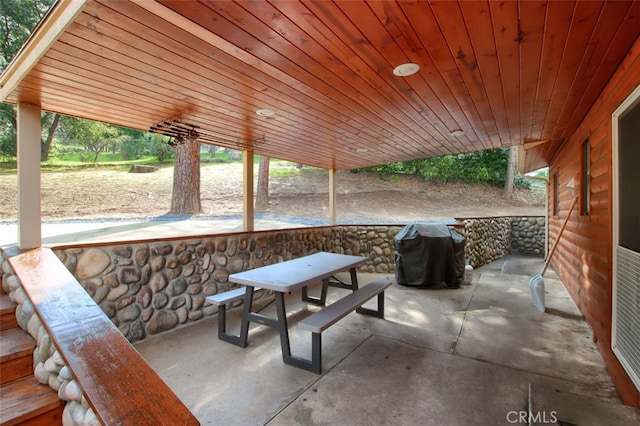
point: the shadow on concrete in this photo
(466, 356)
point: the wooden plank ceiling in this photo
(504, 73)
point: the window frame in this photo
(556, 193)
(585, 178)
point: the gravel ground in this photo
(295, 195)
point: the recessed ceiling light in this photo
(457, 132)
(265, 113)
(362, 150)
(406, 70)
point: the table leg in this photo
(246, 315)
(283, 328)
(240, 340)
(354, 279)
(320, 301)
(353, 285)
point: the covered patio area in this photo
(476, 355)
(343, 85)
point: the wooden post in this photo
(29, 187)
(247, 191)
(332, 197)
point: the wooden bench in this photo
(116, 381)
(325, 318)
(221, 300)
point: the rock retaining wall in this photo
(147, 288)
(150, 287)
(486, 240)
(489, 239)
(529, 235)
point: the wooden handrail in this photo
(120, 386)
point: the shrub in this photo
(132, 149)
(7, 147)
(488, 166)
(160, 149)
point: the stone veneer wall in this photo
(486, 240)
(489, 239)
(150, 287)
(147, 288)
(529, 235)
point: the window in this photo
(585, 187)
(556, 203)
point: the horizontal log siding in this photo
(584, 256)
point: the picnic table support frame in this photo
(241, 339)
(333, 282)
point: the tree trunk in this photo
(507, 192)
(185, 198)
(45, 145)
(262, 196)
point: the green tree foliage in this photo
(488, 167)
(159, 148)
(131, 144)
(474, 167)
(131, 149)
(49, 123)
(7, 142)
(95, 137)
(19, 18)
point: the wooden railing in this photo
(120, 386)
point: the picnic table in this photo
(291, 275)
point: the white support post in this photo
(29, 188)
(247, 191)
(332, 197)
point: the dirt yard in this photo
(293, 192)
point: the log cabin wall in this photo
(584, 255)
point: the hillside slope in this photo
(293, 192)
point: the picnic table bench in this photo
(326, 317)
(221, 300)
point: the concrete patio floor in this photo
(470, 356)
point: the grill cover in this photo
(429, 255)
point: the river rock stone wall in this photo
(486, 239)
(147, 288)
(489, 239)
(529, 235)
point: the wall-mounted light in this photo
(406, 70)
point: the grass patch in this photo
(282, 169)
(285, 171)
(389, 177)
